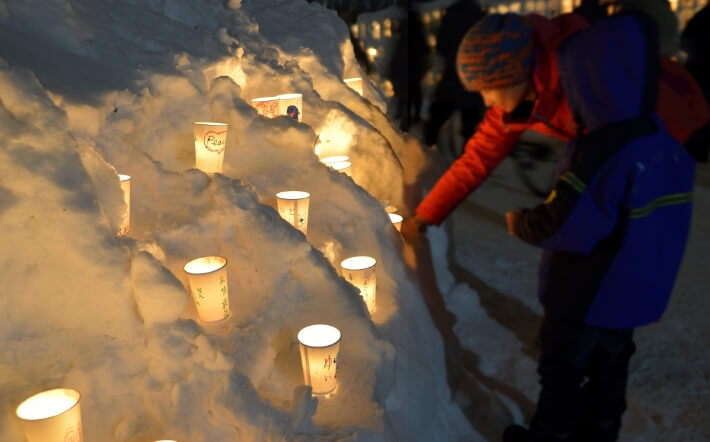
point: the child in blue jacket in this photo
(614, 230)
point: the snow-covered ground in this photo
(89, 89)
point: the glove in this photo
(413, 227)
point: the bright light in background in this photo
(515, 7)
(355, 30)
(529, 7)
(426, 19)
(371, 54)
(674, 5)
(431, 41)
(376, 30)
(388, 27)
(52, 416)
(567, 6)
(542, 7)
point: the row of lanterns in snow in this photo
(55, 415)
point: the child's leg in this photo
(605, 393)
(563, 368)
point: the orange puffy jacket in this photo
(681, 106)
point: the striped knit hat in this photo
(496, 52)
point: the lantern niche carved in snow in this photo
(293, 207)
(125, 226)
(355, 83)
(360, 272)
(210, 141)
(319, 344)
(52, 416)
(208, 283)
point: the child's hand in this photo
(413, 227)
(510, 218)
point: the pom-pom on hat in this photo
(496, 52)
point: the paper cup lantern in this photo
(355, 84)
(208, 283)
(342, 166)
(266, 106)
(125, 226)
(291, 105)
(328, 161)
(319, 357)
(210, 141)
(396, 220)
(360, 272)
(293, 207)
(52, 416)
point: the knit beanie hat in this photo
(660, 12)
(496, 52)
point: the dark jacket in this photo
(616, 224)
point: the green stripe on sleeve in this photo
(661, 201)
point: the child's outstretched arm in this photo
(575, 217)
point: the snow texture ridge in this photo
(91, 89)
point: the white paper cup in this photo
(360, 272)
(320, 344)
(125, 226)
(52, 416)
(268, 107)
(210, 142)
(208, 284)
(293, 207)
(291, 105)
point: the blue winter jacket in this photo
(615, 227)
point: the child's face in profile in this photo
(507, 98)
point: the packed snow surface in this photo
(93, 89)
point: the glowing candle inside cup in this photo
(210, 141)
(360, 272)
(126, 219)
(319, 344)
(342, 166)
(266, 106)
(355, 83)
(293, 207)
(396, 220)
(52, 416)
(328, 161)
(208, 283)
(291, 105)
